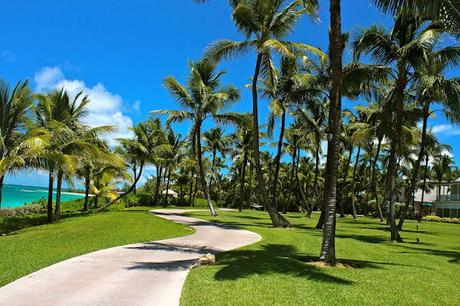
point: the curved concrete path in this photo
(151, 273)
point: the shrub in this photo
(131, 200)
(145, 198)
(441, 219)
(30, 209)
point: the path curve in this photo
(150, 273)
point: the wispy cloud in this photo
(446, 129)
(7, 55)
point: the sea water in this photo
(17, 195)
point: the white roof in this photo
(169, 191)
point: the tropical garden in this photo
(313, 171)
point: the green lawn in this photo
(33, 248)
(275, 271)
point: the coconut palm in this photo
(431, 85)
(202, 98)
(445, 11)
(18, 141)
(403, 48)
(336, 46)
(265, 24)
(215, 142)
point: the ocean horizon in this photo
(19, 195)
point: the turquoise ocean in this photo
(17, 195)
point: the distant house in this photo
(170, 192)
(448, 199)
(443, 200)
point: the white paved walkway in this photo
(151, 273)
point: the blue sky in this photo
(119, 52)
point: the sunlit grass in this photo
(276, 271)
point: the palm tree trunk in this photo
(344, 180)
(427, 157)
(191, 189)
(159, 169)
(315, 180)
(353, 184)
(2, 178)
(136, 180)
(213, 168)
(57, 209)
(243, 171)
(202, 176)
(49, 206)
(168, 180)
(320, 223)
(373, 184)
(416, 170)
(276, 218)
(291, 180)
(336, 47)
(278, 159)
(390, 193)
(87, 185)
(135, 175)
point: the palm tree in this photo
(145, 145)
(215, 142)
(336, 45)
(172, 156)
(445, 11)
(431, 85)
(18, 141)
(202, 98)
(403, 48)
(264, 23)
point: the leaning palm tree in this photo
(202, 98)
(146, 143)
(264, 23)
(18, 141)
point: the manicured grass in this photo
(276, 271)
(33, 248)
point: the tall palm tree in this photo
(202, 98)
(264, 23)
(336, 45)
(62, 116)
(403, 48)
(18, 140)
(431, 85)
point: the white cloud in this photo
(47, 77)
(105, 107)
(446, 129)
(136, 105)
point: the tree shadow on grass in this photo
(364, 238)
(273, 258)
(454, 256)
